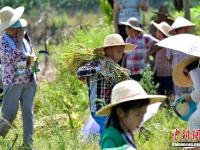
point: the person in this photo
(128, 105)
(123, 10)
(162, 16)
(100, 86)
(17, 77)
(186, 74)
(163, 66)
(180, 26)
(136, 60)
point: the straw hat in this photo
(178, 75)
(9, 16)
(116, 40)
(19, 23)
(163, 11)
(133, 23)
(129, 90)
(162, 27)
(181, 22)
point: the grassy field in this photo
(61, 108)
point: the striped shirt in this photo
(99, 87)
(163, 65)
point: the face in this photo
(13, 31)
(182, 30)
(115, 52)
(131, 32)
(131, 120)
(159, 35)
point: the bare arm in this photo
(116, 15)
(143, 5)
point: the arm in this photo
(7, 52)
(116, 15)
(91, 68)
(143, 5)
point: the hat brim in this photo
(17, 15)
(20, 23)
(128, 47)
(134, 27)
(105, 111)
(179, 78)
(160, 29)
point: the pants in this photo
(165, 84)
(11, 96)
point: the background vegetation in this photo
(61, 107)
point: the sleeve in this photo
(7, 52)
(195, 95)
(91, 68)
(169, 54)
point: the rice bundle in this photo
(79, 58)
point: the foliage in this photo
(147, 81)
(107, 10)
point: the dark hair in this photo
(192, 66)
(126, 107)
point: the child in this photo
(163, 66)
(180, 26)
(128, 105)
(100, 86)
(136, 60)
(187, 74)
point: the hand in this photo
(20, 36)
(31, 59)
(187, 98)
(102, 63)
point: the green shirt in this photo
(112, 139)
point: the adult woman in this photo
(17, 77)
(123, 10)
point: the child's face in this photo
(131, 120)
(115, 52)
(131, 32)
(159, 35)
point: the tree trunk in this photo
(186, 5)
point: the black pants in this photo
(122, 31)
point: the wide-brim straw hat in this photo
(129, 90)
(133, 23)
(115, 40)
(181, 22)
(162, 11)
(179, 78)
(9, 16)
(163, 27)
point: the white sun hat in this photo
(162, 27)
(9, 16)
(181, 22)
(133, 23)
(129, 90)
(185, 43)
